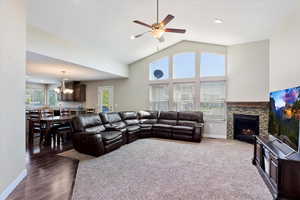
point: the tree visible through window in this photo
(35, 96)
(52, 98)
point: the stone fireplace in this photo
(245, 119)
(245, 127)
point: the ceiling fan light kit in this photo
(158, 28)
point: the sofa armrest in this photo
(111, 127)
(198, 132)
(88, 143)
(201, 125)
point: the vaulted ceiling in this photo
(107, 24)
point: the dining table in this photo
(48, 122)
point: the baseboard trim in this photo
(10, 188)
(214, 136)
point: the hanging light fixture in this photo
(62, 88)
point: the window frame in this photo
(171, 81)
(213, 80)
(149, 94)
(32, 88)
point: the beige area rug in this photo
(153, 169)
(73, 154)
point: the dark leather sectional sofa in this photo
(96, 134)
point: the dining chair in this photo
(64, 129)
(35, 128)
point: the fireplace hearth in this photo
(245, 127)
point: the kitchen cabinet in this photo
(78, 95)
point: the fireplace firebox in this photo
(246, 127)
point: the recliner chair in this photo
(189, 126)
(147, 119)
(166, 121)
(132, 122)
(113, 120)
(92, 137)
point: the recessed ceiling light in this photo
(218, 21)
(132, 37)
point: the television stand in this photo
(279, 166)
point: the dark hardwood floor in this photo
(50, 177)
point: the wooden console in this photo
(279, 166)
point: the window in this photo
(159, 97)
(159, 70)
(35, 96)
(184, 96)
(184, 65)
(212, 100)
(52, 98)
(191, 87)
(212, 65)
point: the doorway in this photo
(105, 99)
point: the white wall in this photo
(248, 72)
(41, 42)
(132, 93)
(12, 87)
(285, 55)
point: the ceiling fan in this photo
(158, 28)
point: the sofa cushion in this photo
(170, 115)
(119, 125)
(196, 116)
(146, 126)
(169, 122)
(133, 128)
(129, 115)
(162, 126)
(186, 123)
(148, 121)
(114, 140)
(82, 122)
(110, 117)
(185, 130)
(147, 114)
(110, 135)
(131, 122)
(95, 129)
(168, 118)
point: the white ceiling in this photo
(107, 24)
(43, 69)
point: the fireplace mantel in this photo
(259, 104)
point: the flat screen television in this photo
(283, 122)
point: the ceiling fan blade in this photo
(175, 30)
(142, 23)
(161, 39)
(139, 35)
(167, 19)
